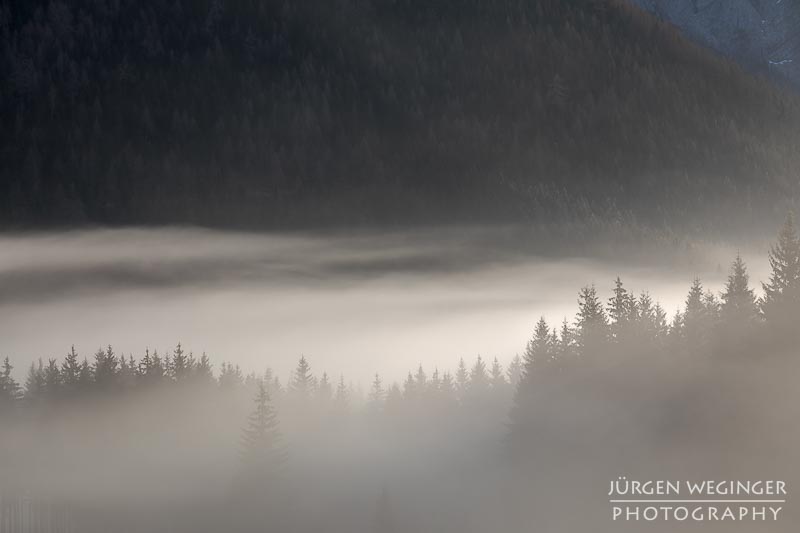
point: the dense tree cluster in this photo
(628, 344)
(296, 113)
(581, 394)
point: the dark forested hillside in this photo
(267, 113)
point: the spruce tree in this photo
(622, 311)
(781, 300)
(52, 380)
(324, 392)
(739, 309)
(342, 397)
(203, 371)
(538, 352)
(35, 389)
(478, 378)
(376, 395)
(261, 451)
(515, 372)
(181, 368)
(592, 326)
(9, 388)
(70, 372)
(105, 369)
(302, 381)
(498, 379)
(699, 318)
(462, 379)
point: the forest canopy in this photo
(273, 113)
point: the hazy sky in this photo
(356, 304)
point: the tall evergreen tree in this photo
(515, 372)
(9, 388)
(592, 326)
(538, 352)
(262, 453)
(376, 395)
(52, 380)
(622, 311)
(70, 372)
(462, 379)
(302, 384)
(739, 309)
(498, 379)
(105, 369)
(781, 300)
(203, 371)
(342, 397)
(478, 377)
(324, 392)
(181, 367)
(35, 388)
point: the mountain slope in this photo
(763, 35)
(270, 113)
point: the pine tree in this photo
(410, 388)
(515, 372)
(739, 309)
(9, 388)
(376, 395)
(592, 327)
(342, 397)
(302, 381)
(498, 379)
(622, 310)
(230, 377)
(447, 389)
(324, 392)
(70, 372)
(85, 376)
(181, 367)
(698, 318)
(538, 352)
(462, 379)
(35, 384)
(262, 454)
(52, 380)
(781, 299)
(478, 377)
(421, 380)
(203, 371)
(105, 369)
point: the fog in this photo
(711, 398)
(354, 304)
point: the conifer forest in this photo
(399, 266)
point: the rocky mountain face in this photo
(763, 35)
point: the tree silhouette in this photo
(739, 309)
(302, 384)
(782, 292)
(262, 454)
(592, 330)
(9, 388)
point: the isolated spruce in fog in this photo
(262, 453)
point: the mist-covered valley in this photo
(406, 381)
(356, 303)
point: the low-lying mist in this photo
(440, 440)
(373, 302)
